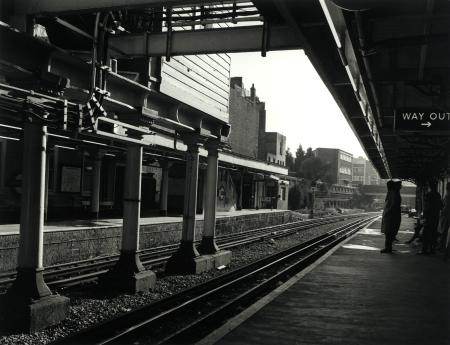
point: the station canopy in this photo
(386, 62)
(387, 65)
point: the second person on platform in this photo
(390, 222)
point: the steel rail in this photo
(132, 325)
(158, 258)
(202, 326)
(73, 273)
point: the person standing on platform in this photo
(391, 219)
(431, 209)
(444, 222)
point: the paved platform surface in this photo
(6, 229)
(356, 296)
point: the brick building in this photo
(248, 135)
(246, 110)
(248, 138)
(273, 148)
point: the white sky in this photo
(298, 104)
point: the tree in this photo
(309, 153)
(298, 196)
(314, 168)
(290, 162)
(294, 198)
(299, 157)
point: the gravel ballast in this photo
(90, 306)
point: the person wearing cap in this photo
(391, 219)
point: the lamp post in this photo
(313, 190)
(314, 187)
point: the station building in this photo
(75, 170)
(92, 125)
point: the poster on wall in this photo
(70, 179)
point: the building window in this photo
(358, 171)
(345, 157)
(344, 170)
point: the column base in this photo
(208, 245)
(129, 275)
(183, 261)
(222, 258)
(163, 213)
(30, 305)
(186, 260)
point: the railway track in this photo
(204, 307)
(74, 273)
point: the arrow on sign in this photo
(428, 124)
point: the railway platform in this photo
(69, 241)
(353, 295)
(70, 225)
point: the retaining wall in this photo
(79, 244)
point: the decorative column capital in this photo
(193, 141)
(213, 146)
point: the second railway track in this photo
(74, 273)
(202, 308)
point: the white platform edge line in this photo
(230, 325)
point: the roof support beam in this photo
(426, 32)
(227, 40)
(408, 41)
(85, 6)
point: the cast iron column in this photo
(164, 188)
(190, 195)
(95, 193)
(129, 274)
(30, 303)
(241, 191)
(183, 261)
(208, 244)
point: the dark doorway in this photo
(118, 192)
(148, 192)
(247, 192)
(200, 189)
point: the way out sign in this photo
(422, 120)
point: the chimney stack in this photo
(253, 93)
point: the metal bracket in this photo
(64, 114)
(169, 33)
